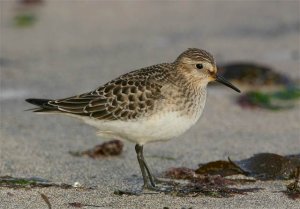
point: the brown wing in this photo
(127, 97)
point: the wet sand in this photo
(75, 47)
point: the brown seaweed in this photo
(110, 148)
(209, 179)
(207, 185)
(180, 173)
(253, 74)
(81, 205)
(270, 166)
(293, 189)
(262, 166)
(220, 167)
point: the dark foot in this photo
(147, 189)
(166, 188)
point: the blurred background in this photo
(56, 49)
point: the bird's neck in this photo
(190, 81)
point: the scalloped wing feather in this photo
(128, 97)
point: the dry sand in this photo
(75, 47)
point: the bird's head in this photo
(199, 67)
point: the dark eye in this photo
(199, 66)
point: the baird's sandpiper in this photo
(151, 104)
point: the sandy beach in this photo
(74, 47)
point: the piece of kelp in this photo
(82, 205)
(278, 100)
(110, 148)
(34, 182)
(30, 2)
(262, 166)
(180, 173)
(183, 173)
(220, 167)
(209, 179)
(25, 20)
(26, 12)
(199, 184)
(12, 182)
(270, 166)
(195, 185)
(293, 189)
(218, 191)
(253, 74)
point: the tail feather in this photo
(43, 104)
(38, 102)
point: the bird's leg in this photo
(144, 169)
(147, 176)
(153, 179)
(150, 176)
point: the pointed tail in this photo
(43, 104)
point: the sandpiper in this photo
(151, 104)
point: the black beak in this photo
(222, 80)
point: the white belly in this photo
(159, 127)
